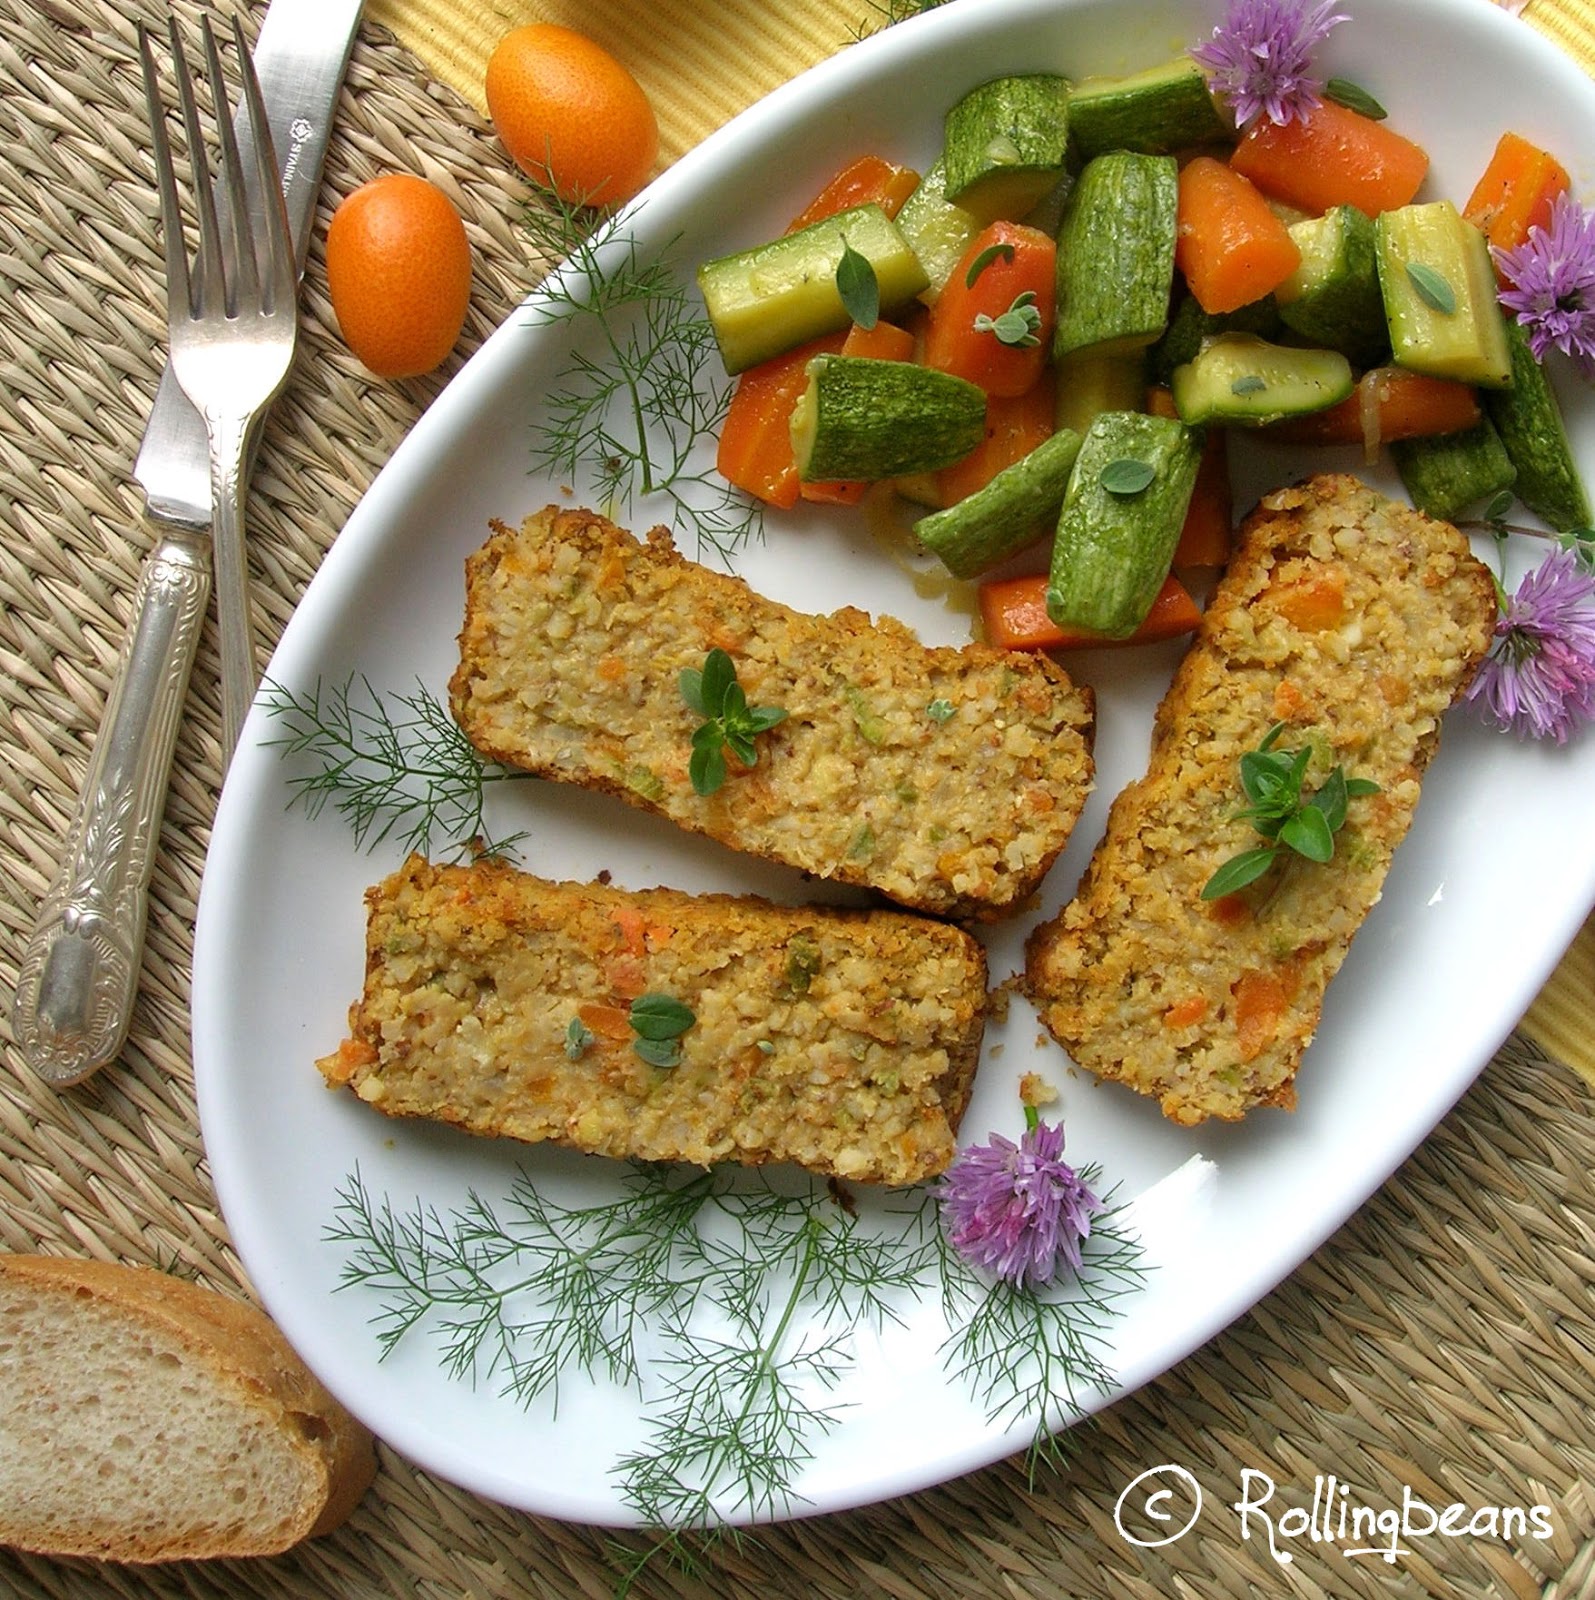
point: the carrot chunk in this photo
(1206, 533)
(1007, 262)
(1389, 403)
(1013, 612)
(1015, 425)
(869, 180)
(1230, 245)
(755, 450)
(1332, 156)
(1516, 191)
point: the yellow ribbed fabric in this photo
(701, 64)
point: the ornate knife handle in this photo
(80, 971)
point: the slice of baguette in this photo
(144, 1418)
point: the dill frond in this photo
(390, 766)
(730, 1306)
(883, 13)
(633, 410)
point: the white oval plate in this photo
(1485, 895)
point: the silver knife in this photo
(79, 973)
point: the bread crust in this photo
(225, 1343)
(842, 1041)
(574, 640)
(1355, 622)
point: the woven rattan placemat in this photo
(1439, 1346)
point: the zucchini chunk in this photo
(1004, 144)
(1018, 506)
(1239, 378)
(1446, 473)
(1529, 419)
(1438, 286)
(1115, 541)
(864, 419)
(767, 299)
(1333, 298)
(1116, 255)
(1157, 112)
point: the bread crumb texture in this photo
(144, 1418)
(576, 634)
(841, 1041)
(1354, 621)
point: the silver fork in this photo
(232, 323)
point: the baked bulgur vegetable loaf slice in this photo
(945, 779)
(1353, 621)
(842, 1041)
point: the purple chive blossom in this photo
(1550, 284)
(1539, 678)
(1260, 57)
(1018, 1210)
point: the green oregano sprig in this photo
(1432, 288)
(1019, 326)
(730, 723)
(659, 1021)
(1283, 814)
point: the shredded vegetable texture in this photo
(634, 412)
(730, 1305)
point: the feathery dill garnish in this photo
(643, 392)
(750, 1297)
(395, 764)
(883, 13)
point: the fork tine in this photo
(244, 289)
(171, 213)
(211, 297)
(281, 277)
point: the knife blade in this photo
(79, 973)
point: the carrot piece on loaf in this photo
(1355, 622)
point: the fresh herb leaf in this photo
(992, 252)
(660, 1016)
(1432, 288)
(644, 390)
(1126, 475)
(940, 710)
(730, 723)
(858, 286)
(1238, 872)
(1019, 326)
(578, 1039)
(1354, 98)
(1306, 824)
